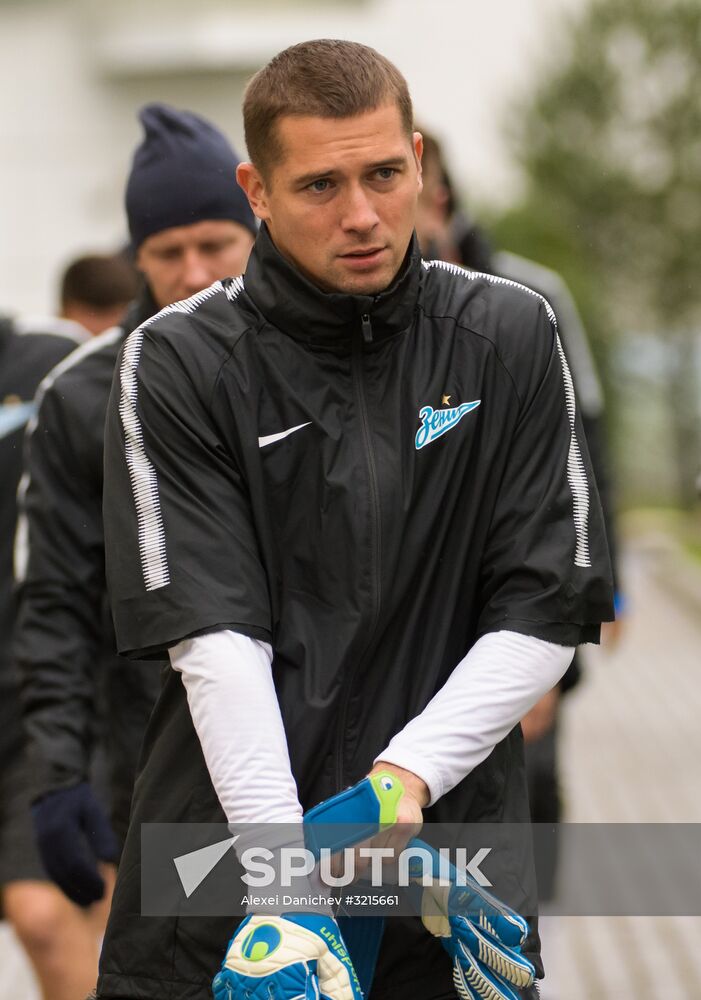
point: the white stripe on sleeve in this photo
(143, 475)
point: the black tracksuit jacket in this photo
(300, 467)
(26, 355)
(74, 685)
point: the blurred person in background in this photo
(190, 225)
(96, 291)
(445, 232)
(60, 940)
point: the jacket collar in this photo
(298, 308)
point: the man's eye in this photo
(386, 173)
(319, 186)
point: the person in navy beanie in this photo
(190, 226)
(184, 171)
(184, 206)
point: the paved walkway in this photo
(631, 749)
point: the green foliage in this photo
(611, 148)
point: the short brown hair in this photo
(99, 282)
(325, 78)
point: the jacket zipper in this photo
(357, 362)
(366, 327)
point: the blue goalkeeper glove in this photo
(482, 935)
(355, 814)
(298, 955)
(303, 955)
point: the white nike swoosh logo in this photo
(272, 438)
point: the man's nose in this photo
(196, 273)
(359, 213)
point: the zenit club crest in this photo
(435, 423)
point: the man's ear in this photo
(251, 180)
(418, 144)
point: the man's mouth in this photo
(366, 255)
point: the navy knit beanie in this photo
(184, 171)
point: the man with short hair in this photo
(97, 289)
(348, 495)
(190, 224)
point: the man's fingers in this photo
(378, 804)
(392, 840)
(396, 837)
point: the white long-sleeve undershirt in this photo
(490, 690)
(236, 714)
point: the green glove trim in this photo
(389, 789)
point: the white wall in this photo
(75, 72)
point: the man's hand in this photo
(482, 936)
(355, 814)
(409, 815)
(73, 834)
(298, 955)
(382, 810)
(416, 794)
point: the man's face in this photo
(340, 205)
(432, 210)
(180, 261)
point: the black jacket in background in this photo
(26, 355)
(64, 642)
